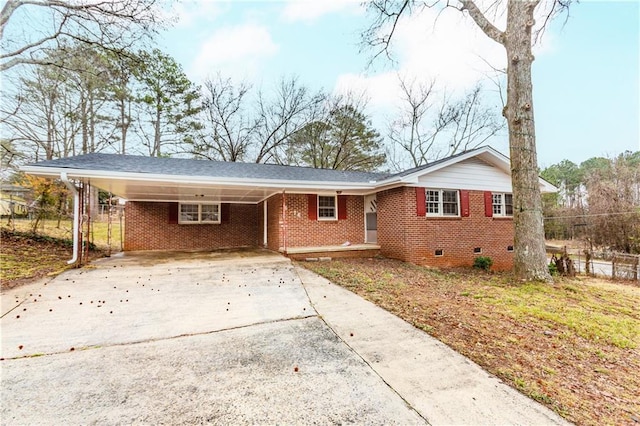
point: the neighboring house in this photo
(445, 213)
(12, 202)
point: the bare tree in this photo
(472, 124)
(229, 128)
(420, 122)
(530, 261)
(239, 129)
(406, 131)
(36, 114)
(279, 117)
(338, 136)
(428, 126)
(110, 24)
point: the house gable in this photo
(480, 156)
(472, 173)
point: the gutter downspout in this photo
(76, 215)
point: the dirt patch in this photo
(572, 346)
(25, 258)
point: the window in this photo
(327, 207)
(442, 203)
(477, 250)
(199, 213)
(502, 204)
(439, 252)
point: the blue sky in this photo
(586, 73)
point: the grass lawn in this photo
(574, 346)
(65, 231)
(24, 258)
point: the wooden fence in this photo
(625, 266)
(619, 266)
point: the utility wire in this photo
(591, 215)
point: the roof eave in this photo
(197, 180)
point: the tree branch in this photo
(485, 25)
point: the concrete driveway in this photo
(241, 337)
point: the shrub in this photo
(483, 262)
(553, 269)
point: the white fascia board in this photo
(196, 180)
(547, 187)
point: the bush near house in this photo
(483, 262)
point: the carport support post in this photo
(284, 221)
(76, 215)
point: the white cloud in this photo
(310, 10)
(447, 47)
(187, 12)
(235, 51)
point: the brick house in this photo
(445, 213)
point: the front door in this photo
(371, 219)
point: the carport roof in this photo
(139, 178)
(206, 168)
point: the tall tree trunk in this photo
(83, 118)
(530, 253)
(50, 127)
(156, 136)
(124, 122)
(530, 261)
(92, 122)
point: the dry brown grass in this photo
(573, 346)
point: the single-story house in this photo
(444, 213)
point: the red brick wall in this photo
(148, 228)
(274, 218)
(303, 232)
(457, 237)
(260, 223)
(393, 212)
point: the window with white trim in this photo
(502, 204)
(327, 207)
(192, 213)
(441, 202)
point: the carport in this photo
(202, 196)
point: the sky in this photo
(585, 76)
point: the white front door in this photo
(371, 218)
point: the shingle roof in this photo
(206, 168)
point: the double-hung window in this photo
(441, 202)
(502, 204)
(327, 207)
(199, 213)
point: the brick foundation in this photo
(334, 254)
